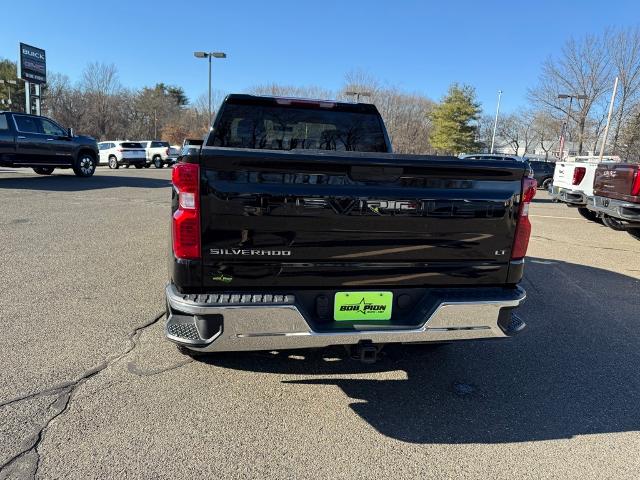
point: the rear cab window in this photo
(28, 124)
(159, 144)
(130, 145)
(287, 124)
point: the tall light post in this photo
(209, 55)
(495, 122)
(9, 83)
(565, 126)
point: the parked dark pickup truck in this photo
(296, 226)
(616, 199)
(40, 143)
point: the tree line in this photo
(100, 106)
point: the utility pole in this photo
(495, 122)
(606, 129)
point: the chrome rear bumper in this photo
(572, 197)
(615, 208)
(240, 322)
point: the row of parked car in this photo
(143, 153)
(606, 191)
(541, 170)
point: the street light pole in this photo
(495, 122)
(210, 55)
(565, 127)
(209, 89)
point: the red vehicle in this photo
(616, 198)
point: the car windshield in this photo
(288, 128)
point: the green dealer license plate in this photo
(350, 306)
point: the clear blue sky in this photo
(420, 46)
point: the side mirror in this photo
(70, 133)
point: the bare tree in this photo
(407, 118)
(583, 68)
(629, 145)
(65, 102)
(485, 132)
(292, 91)
(624, 46)
(101, 87)
(547, 131)
(517, 131)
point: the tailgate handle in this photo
(375, 174)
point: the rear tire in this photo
(589, 215)
(85, 165)
(113, 163)
(138, 165)
(43, 170)
(613, 223)
(547, 183)
(127, 166)
(157, 161)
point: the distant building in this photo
(570, 149)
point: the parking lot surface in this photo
(89, 388)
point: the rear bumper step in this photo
(615, 208)
(257, 321)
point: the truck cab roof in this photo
(272, 100)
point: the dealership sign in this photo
(32, 64)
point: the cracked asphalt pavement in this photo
(89, 388)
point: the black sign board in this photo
(33, 64)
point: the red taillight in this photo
(635, 186)
(523, 227)
(578, 175)
(186, 219)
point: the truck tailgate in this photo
(563, 175)
(315, 219)
(617, 180)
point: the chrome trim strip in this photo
(279, 327)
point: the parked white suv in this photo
(157, 153)
(118, 153)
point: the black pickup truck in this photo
(296, 226)
(40, 143)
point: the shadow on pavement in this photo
(573, 371)
(71, 183)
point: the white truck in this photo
(158, 153)
(573, 182)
